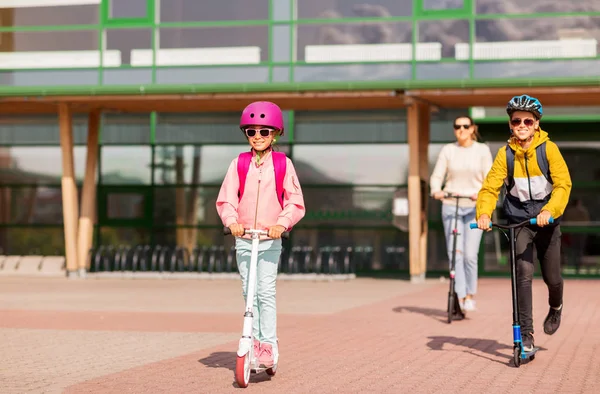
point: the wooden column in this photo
(88, 194)
(424, 123)
(69, 189)
(418, 141)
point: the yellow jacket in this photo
(531, 192)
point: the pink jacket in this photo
(260, 211)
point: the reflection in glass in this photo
(38, 165)
(128, 8)
(125, 206)
(38, 241)
(39, 130)
(565, 37)
(125, 129)
(126, 165)
(534, 7)
(125, 40)
(86, 14)
(123, 236)
(353, 9)
(187, 164)
(26, 41)
(222, 10)
(226, 38)
(31, 205)
(352, 33)
(365, 164)
(357, 126)
(446, 32)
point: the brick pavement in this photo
(376, 336)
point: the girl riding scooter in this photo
(261, 191)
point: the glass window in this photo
(124, 236)
(353, 8)
(125, 129)
(441, 35)
(38, 165)
(365, 164)
(125, 205)
(186, 205)
(358, 126)
(442, 4)
(313, 40)
(282, 10)
(566, 37)
(227, 39)
(85, 14)
(126, 40)
(196, 164)
(126, 165)
(534, 7)
(222, 10)
(128, 8)
(32, 241)
(32, 41)
(202, 128)
(347, 205)
(39, 130)
(31, 205)
(281, 43)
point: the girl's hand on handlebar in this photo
(483, 223)
(474, 197)
(237, 230)
(543, 219)
(439, 195)
(276, 231)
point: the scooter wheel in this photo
(271, 371)
(242, 370)
(517, 357)
(532, 357)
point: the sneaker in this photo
(552, 321)
(527, 339)
(265, 359)
(469, 304)
(256, 349)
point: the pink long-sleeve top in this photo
(259, 207)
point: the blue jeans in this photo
(467, 248)
(264, 324)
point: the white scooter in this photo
(247, 361)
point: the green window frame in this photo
(458, 13)
(107, 20)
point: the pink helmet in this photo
(262, 113)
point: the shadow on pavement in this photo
(436, 314)
(227, 360)
(476, 346)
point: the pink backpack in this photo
(279, 164)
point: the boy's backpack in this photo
(279, 164)
(542, 159)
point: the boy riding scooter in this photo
(538, 186)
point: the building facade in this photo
(159, 172)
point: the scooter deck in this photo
(531, 353)
(262, 369)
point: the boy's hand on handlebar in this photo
(276, 231)
(439, 195)
(483, 223)
(237, 230)
(543, 219)
(474, 197)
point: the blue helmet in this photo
(525, 103)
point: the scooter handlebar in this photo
(227, 231)
(532, 221)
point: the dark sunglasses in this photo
(517, 122)
(464, 126)
(263, 132)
